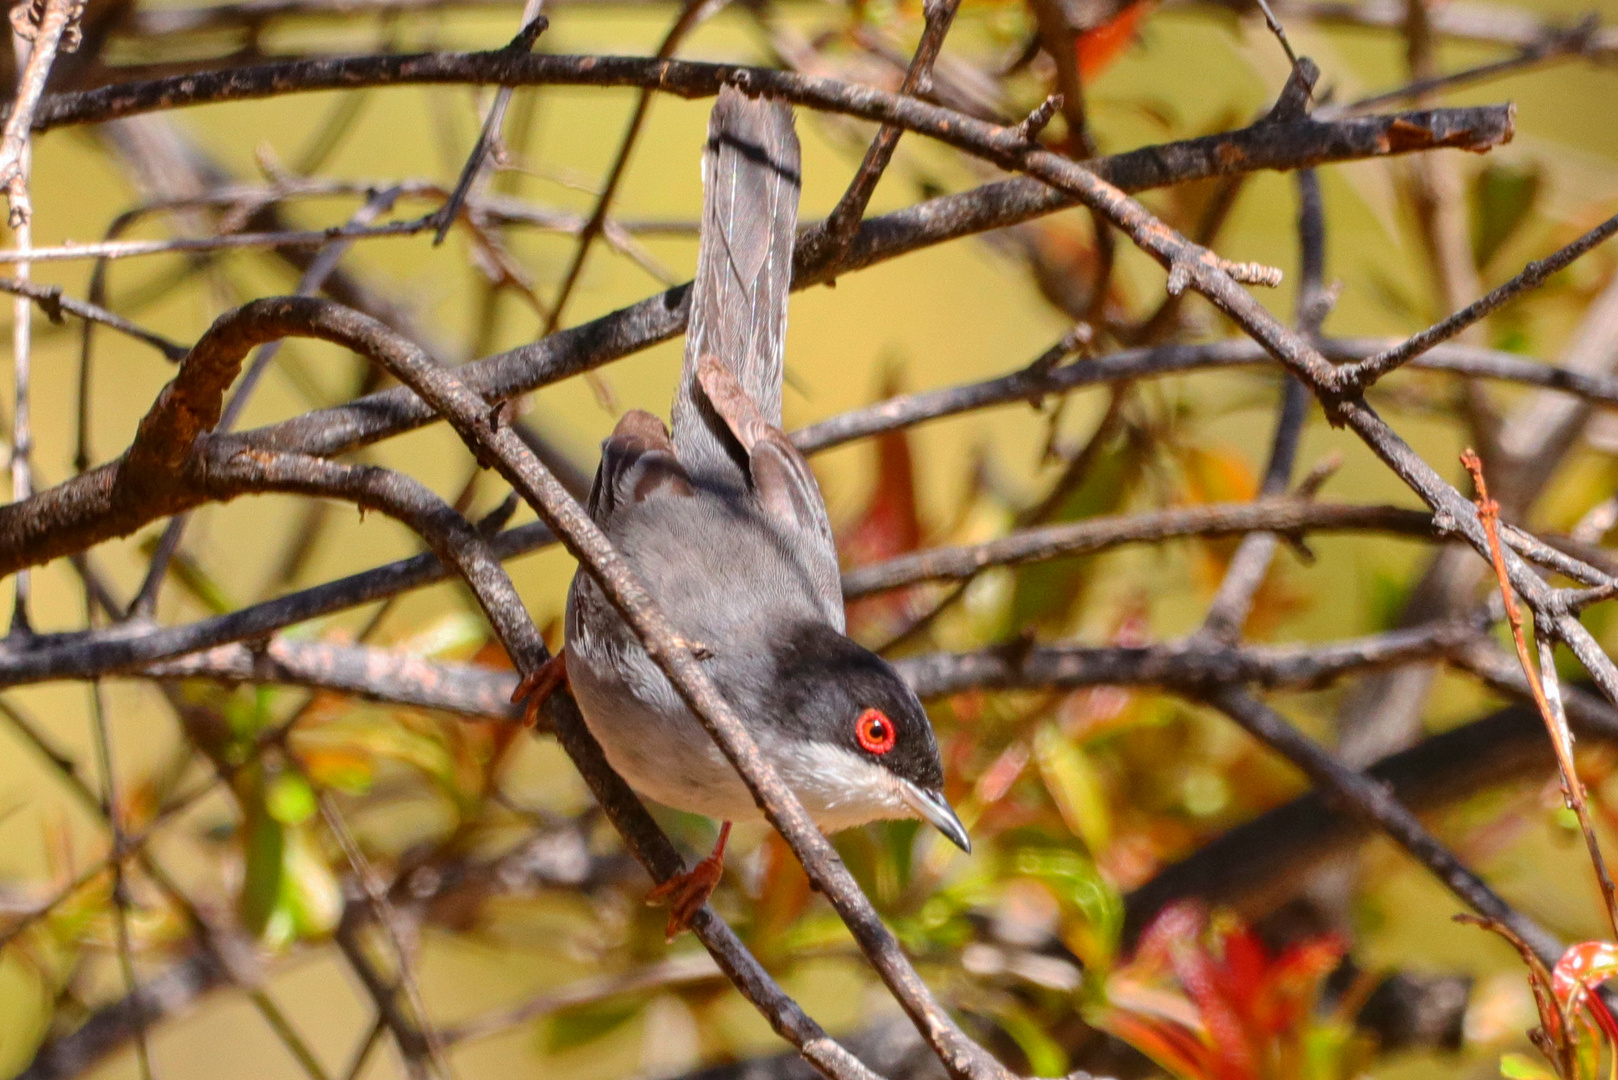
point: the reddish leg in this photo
(540, 684)
(687, 892)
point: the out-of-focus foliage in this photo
(512, 891)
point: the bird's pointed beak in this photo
(932, 808)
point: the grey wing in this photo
(637, 459)
(781, 482)
(637, 462)
(750, 173)
(790, 497)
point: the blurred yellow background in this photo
(953, 313)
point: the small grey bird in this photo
(726, 526)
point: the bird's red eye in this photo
(875, 731)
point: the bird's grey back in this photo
(751, 173)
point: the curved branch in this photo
(105, 502)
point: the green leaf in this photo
(310, 892)
(570, 1028)
(1079, 883)
(1045, 1055)
(290, 800)
(1523, 1067)
(1076, 787)
(1503, 197)
(264, 840)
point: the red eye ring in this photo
(875, 731)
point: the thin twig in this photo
(53, 303)
(111, 804)
(533, 24)
(1362, 373)
(387, 918)
(1372, 801)
(1560, 45)
(692, 13)
(22, 429)
(54, 29)
(1249, 566)
(1555, 721)
(1278, 30)
(832, 237)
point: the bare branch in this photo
(50, 300)
(1372, 801)
(1258, 864)
(1555, 720)
(1284, 515)
(691, 14)
(1361, 374)
(832, 238)
(47, 29)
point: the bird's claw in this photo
(686, 893)
(540, 684)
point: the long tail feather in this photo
(751, 178)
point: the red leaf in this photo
(1097, 48)
(1582, 968)
(890, 524)
(1175, 1048)
(1242, 974)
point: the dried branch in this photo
(533, 25)
(50, 300)
(82, 511)
(691, 15)
(376, 674)
(127, 647)
(1190, 666)
(48, 29)
(205, 646)
(1233, 601)
(1128, 364)
(1362, 373)
(831, 239)
(1255, 866)
(458, 544)
(1285, 515)
(470, 417)
(309, 284)
(1370, 800)
(1555, 721)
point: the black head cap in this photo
(829, 686)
